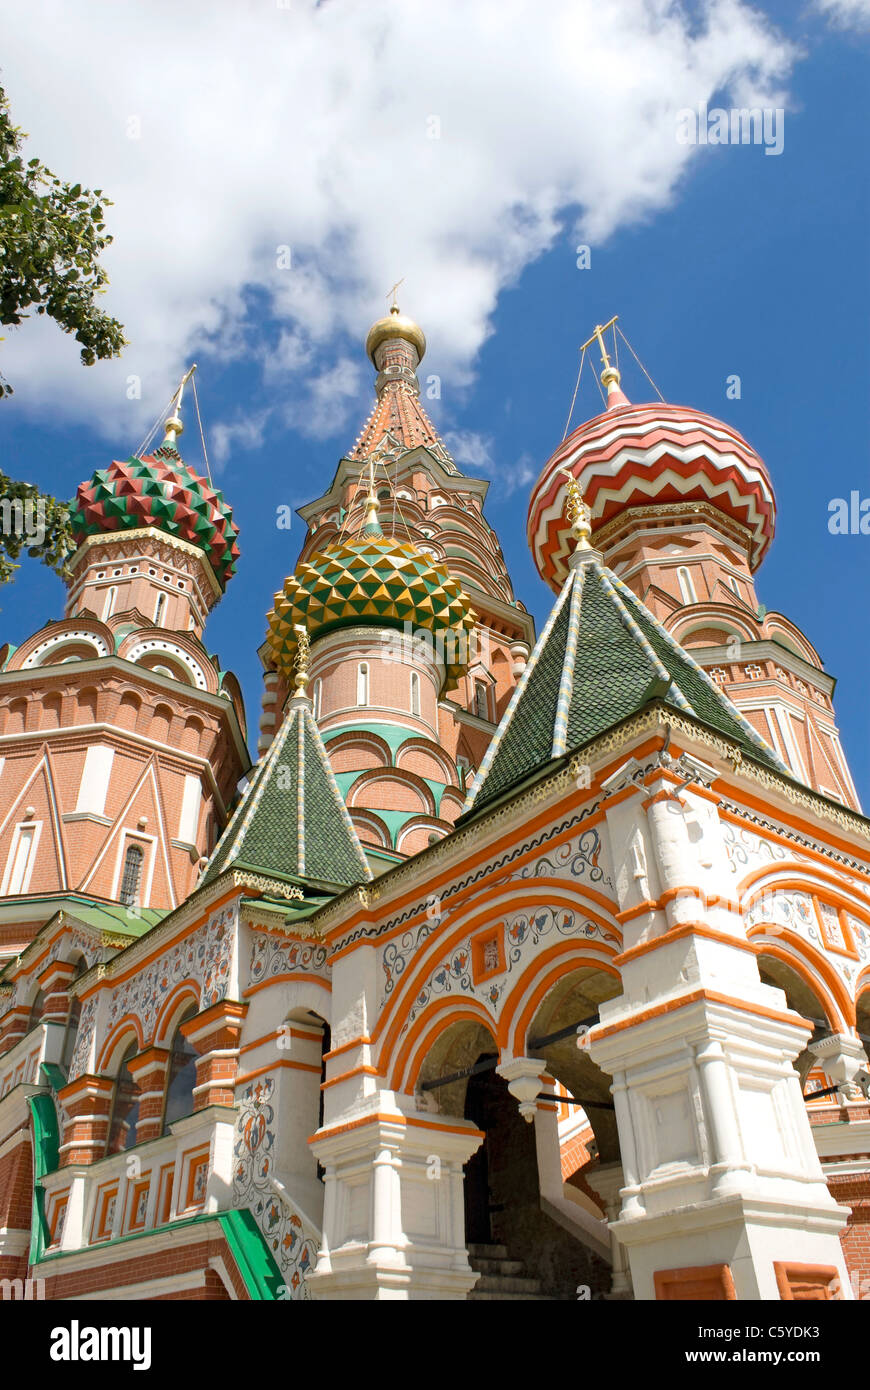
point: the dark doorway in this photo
(503, 1175)
(503, 1198)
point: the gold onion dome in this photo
(395, 325)
(373, 580)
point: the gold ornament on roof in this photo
(174, 426)
(578, 511)
(301, 659)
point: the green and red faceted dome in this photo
(159, 490)
(640, 456)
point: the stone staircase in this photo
(500, 1276)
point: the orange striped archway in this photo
(554, 893)
(552, 965)
(814, 970)
(435, 1019)
(186, 992)
(128, 1024)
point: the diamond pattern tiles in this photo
(374, 580)
(159, 490)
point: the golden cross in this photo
(600, 329)
(392, 293)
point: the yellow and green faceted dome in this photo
(377, 581)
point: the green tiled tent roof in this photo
(292, 822)
(601, 657)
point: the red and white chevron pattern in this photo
(633, 455)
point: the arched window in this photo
(318, 687)
(180, 1077)
(72, 1020)
(158, 610)
(362, 683)
(415, 693)
(687, 588)
(132, 875)
(125, 1107)
(481, 700)
(109, 605)
(37, 1009)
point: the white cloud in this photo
(245, 432)
(471, 450)
(847, 13)
(474, 451)
(329, 400)
(309, 127)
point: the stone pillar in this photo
(215, 1035)
(393, 1221)
(148, 1070)
(14, 1026)
(720, 1169)
(54, 983)
(86, 1105)
(607, 1181)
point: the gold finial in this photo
(391, 295)
(578, 511)
(610, 376)
(174, 426)
(372, 503)
(301, 659)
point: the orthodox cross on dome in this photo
(610, 376)
(391, 294)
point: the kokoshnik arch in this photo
(515, 964)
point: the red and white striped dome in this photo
(637, 455)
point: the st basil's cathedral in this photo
(514, 968)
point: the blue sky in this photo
(728, 261)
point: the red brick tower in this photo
(121, 739)
(423, 499)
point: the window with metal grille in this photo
(481, 700)
(132, 874)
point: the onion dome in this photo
(159, 490)
(395, 325)
(377, 581)
(643, 455)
